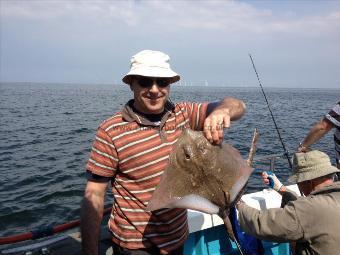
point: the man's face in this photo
(150, 93)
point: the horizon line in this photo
(175, 84)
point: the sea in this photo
(46, 133)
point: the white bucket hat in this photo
(311, 165)
(151, 64)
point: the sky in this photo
(293, 43)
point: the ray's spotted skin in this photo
(201, 176)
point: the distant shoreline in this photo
(175, 85)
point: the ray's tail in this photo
(225, 217)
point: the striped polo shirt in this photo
(134, 152)
(334, 117)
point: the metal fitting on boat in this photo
(44, 251)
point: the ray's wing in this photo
(179, 189)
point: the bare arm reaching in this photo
(315, 134)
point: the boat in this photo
(207, 236)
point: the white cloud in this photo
(103, 34)
(224, 16)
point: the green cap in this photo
(311, 165)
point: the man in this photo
(311, 221)
(329, 121)
(131, 150)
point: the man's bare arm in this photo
(91, 216)
(315, 134)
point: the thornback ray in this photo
(202, 177)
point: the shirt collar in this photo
(130, 115)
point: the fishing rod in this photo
(271, 113)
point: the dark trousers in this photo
(117, 250)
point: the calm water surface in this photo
(46, 133)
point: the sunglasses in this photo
(145, 82)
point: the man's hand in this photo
(320, 129)
(303, 148)
(214, 125)
(219, 116)
(270, 179)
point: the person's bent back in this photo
(311, 221)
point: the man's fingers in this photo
(265, 178)
(217, 130)
(220, 134)
(226, 121)
(213, 128)
(214, 125)
(207, 131)
(215, 137)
